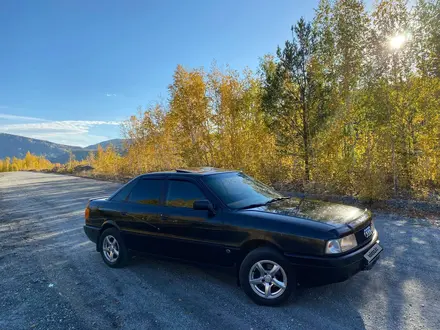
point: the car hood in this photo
(331, 213)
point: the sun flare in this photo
(397, 41)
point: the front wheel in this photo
(267, 277)
(113, 250)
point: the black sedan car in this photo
(229, 219)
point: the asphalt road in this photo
(52, 278)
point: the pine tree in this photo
(290, 99)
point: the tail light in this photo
(87, 213)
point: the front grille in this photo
(361, 238)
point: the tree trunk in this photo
(306, 160)
(306, 143)
(393, 159)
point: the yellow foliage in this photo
(29, 162)
(216, 119)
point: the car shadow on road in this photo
(306, 309)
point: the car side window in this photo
(146, 191)
(183, 194)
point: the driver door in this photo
(191, 234)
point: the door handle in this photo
(164, 217)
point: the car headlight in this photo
(341, 245)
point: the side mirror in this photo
(204, 205)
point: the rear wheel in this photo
(113, 250)
(267, 277)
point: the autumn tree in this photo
(105, 161)
(342, 31)
(152, 144)
(29, 162)
(240, 137)
(190, 116)
(91, 158)
(6, 164)
(426, 34)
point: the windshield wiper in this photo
(276, 199)
(252, 206)
(263, 204)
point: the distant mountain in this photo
(18, 146)
(117, 143)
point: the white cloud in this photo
(71, 132)
(74, 126)
(14, 117)
(109, 94)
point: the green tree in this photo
(290, 99)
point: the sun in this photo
(397, 41)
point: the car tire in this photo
(277, 277)
(112, 248)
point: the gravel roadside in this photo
(52, 278)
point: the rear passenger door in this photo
(110, 212)
(190, 234)
(142, 214)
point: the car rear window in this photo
(183, 194)
(146, 191)
(122, 194)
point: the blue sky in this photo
(71, 71)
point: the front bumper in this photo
(331, 269)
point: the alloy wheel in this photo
(110, 247)
(268, 279)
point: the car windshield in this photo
(238, 190)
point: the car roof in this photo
(191, 171)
